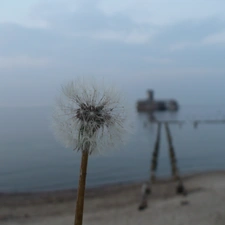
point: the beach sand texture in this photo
(118, 204)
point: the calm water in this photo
(31, 159)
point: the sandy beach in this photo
(118, 204)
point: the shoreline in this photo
(102, 203)
(99, 191)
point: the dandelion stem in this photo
(81, 189)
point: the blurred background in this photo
(174, 47)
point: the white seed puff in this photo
(89, 116)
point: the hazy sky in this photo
(176, 47)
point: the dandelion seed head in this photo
(90, 117)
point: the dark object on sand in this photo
(148, 191)
(143, 206)
(145, 192)
(184, 202)
(180, 190)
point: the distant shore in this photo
(118, 203)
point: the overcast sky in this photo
(175, 47)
